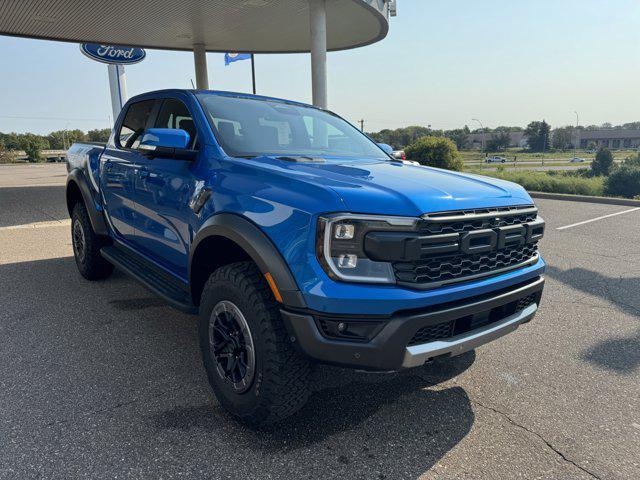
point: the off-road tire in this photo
(280, 384)
(91, 264)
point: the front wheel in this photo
(253, 369)
(86, 246)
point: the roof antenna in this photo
(192, 85)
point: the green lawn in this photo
(554, 182)
(527, 166)
(477, 156)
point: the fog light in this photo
(347, 261)
(341, 330)
(344, 231)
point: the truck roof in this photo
(223, 93)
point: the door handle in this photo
(143, 172)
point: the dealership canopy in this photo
(255, 26)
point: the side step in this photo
(159, 282)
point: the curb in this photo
(586, 198)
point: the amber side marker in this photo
(273, 286)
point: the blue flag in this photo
(234, 57)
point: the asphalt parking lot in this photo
(103, 380)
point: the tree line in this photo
(603, 177)
(33, 144)
(538, 134)
(497, 138)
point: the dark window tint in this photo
(175, 114)
(134, 123)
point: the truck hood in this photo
(394, 188)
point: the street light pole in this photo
(483, 132)
(576, 139)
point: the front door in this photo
(118, 170)
(164, 187)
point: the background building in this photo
(612, 138)
(609, 138)
(516, 140)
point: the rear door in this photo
(164, 187)
(118, 169)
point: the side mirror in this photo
(388, 149)
(166, 142)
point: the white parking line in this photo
(598, 218)
(54, 223)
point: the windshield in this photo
(247, 127)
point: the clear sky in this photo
(506, 62)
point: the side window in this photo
(175, 114)
(134, 124)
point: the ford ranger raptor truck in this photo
(297, 240)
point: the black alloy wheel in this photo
(79, 242)
(232, 346)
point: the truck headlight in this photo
(340, 246)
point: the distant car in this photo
(577, 160)
(495, 160)
(399, 154)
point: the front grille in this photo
(432, 332)
(468, 323)
(453, 267)
(526, 301)
(433, 269)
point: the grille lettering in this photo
(487, 240)
(467, 246)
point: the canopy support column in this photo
(118, 88)
(200, 62)
(318, 25)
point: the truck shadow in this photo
(345, 400)
(385, 407)
(395, 425)
(620, 353)
(358, 424)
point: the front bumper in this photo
(394, 346)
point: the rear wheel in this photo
(86, 246)
(253, 369)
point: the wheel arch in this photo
(227, 238)
(78, 190)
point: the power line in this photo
(20, 117)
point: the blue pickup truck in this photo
(297, 240)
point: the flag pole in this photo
(253, 74)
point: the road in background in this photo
(30, 175)
(539, 168)
(103, 380)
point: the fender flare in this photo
(96, 216)
(258, 246)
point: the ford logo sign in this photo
(115, 54)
